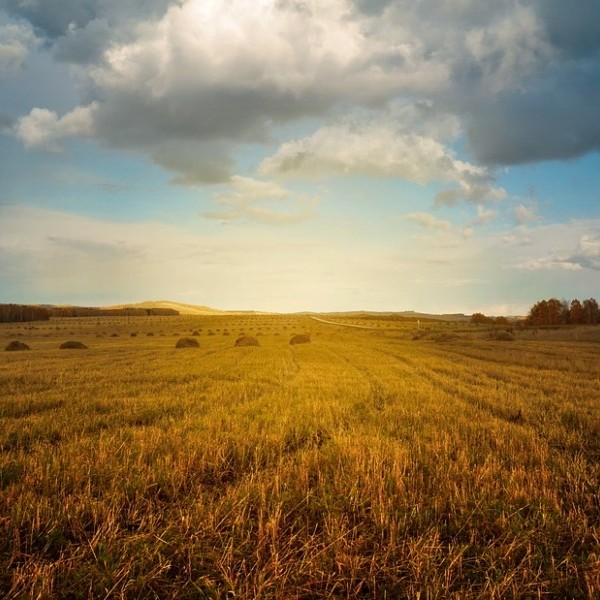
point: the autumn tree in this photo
(591, 312)
(576, 314)
(553, 312)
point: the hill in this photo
(184, 309)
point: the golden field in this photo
(370, 463)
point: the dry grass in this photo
(362, 465)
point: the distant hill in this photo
(407, 314)
(184, 309)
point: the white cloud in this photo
(206, 74)
(16, 41)
(428, 221)
(524, 215)
(382, 149)
(42, 128)
(210, 72)
(261, 201)
(574, 246)
(484, 216)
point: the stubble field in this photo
(365, 464)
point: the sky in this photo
(287, 155)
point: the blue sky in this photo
(439, 156)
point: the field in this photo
(370, 463)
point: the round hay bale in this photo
(187, 343)
(447, 337)
(300, 338)
(504, 336)
(196, 332)
(71, 345)
(246, 340)
(16, 346)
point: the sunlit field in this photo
(426, 460)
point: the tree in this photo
(591, 312)
(576, 314)
(480, 319)
(548, 313)
(553, 312)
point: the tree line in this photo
(553, 312)
(550, 313)
(23, 313)
(83, 311)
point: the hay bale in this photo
(300, 338)
(196, 332)
(71, 345)
(503, 336)
(246, 340)
(187, 343)
(447, 337)
(16, 346)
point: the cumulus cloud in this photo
(588, 253)
(16, 41)
(204, 74)
(43, 128)
(578, 248)
(261, 201)
(382, 149)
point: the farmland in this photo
(380, 462)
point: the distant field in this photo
(408, 460)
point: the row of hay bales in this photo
(244, 340)
(186, 342)
(16, 346)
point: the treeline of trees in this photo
(83, 311)
(22, 313)
(550, 313)
(547, 313)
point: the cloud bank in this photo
(191, 84)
